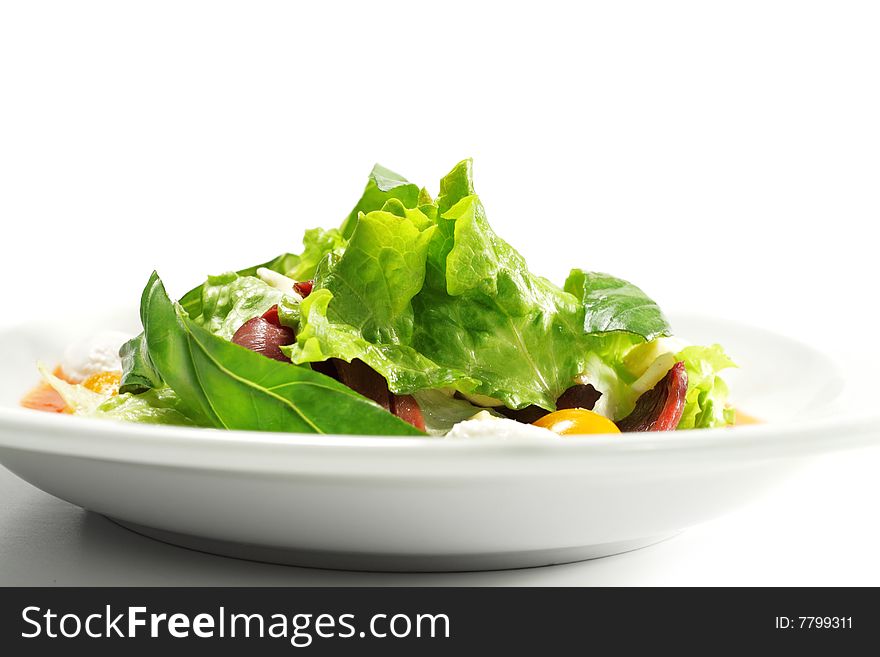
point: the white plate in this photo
(423, 503)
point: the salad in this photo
(411, 317)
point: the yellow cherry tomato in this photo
(576, 421)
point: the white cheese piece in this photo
(640, 357)
(97, 353)
(486, 425)
(278, 281)
(656, 371)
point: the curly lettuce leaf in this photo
(363, 307)
(481, 311)
(192, 300)
(706, 402)
(318, 244)
(456, 185)
(445, 302)
(321, 338)
(617, 360)
(384, 265)
(156, 406)
(429, 296)
(382, 185)
(229, 300)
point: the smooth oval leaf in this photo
(169, 351)
(613, 304)
(240, 389)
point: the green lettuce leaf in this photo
(706, 404)
(363, 307)
(321, 338)
(382, 185)
(428, 295)
(383, 263)
(318, 244)
(158, 406)
(482, 312)
(456, 185)
(191, 302)
(617, 360)
(446, 302)
(229, 300)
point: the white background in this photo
(725, 156)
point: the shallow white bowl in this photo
(425, 503)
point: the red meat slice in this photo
(660, 408)
(264, 337)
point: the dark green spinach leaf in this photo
(613, 304)
(235, 388)
(138, 372)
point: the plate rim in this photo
(28, 430)
(258, 451)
